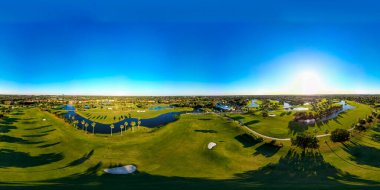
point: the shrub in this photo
(340, 135)
(360, 127)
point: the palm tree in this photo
(83, 122)
(125, 125)
(86, 125)
(121, 129)
(93, 127)
(112, 126)
(138, 123)
(72, 118)
(133, 124)
(75, 123)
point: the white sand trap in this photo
(272, 115)
(128, 169)
(211, 145)
(43, 119)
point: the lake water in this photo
(158, 121)
(160, 107)
(253, 104)
(345, 107)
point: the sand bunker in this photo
(128, 169)
(211, 145)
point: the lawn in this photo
(38, 154)
(281, 126)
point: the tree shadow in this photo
(247, 140)
(48, 131)
(267, 150)
(11, 158)
(80, 160)
(238, 117)
(29, 122)
(297, 127)
(205, 131)
(36, 135)
(17, 113)
(9, 139)
(307, 170)
(307, 167)
(363, 155)
(41, 127)
(376, 137)
(252, 122)
(204, 119)
(8, 120)
(49, 145)
(6, 128)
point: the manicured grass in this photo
(281, 126)
(37, 154)
(112, 116)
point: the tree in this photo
(76, 123)
(138, 123)
(86, 125)
(93, 127)
(305, 141)
(133, 123)
(121, 129)
(340, 135)
(83, 122)
(265, 113)
(125, 126)
(112, 126)
(360, 127)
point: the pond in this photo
(345, 107)
(160, 107)
(158, 121)
(253, 104)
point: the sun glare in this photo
(308, 82)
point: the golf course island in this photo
(256, 142)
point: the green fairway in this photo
(52, 154)
(281, 126)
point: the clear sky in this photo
(189, 48)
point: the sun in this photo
(308, 82)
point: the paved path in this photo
(282, 139)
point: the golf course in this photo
(40, 150)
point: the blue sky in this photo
(189, 48)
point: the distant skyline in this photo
(189, 48)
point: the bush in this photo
(340, 135)
(305, 141)
(362, 121)
(360, 127)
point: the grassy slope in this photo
(39, 153)
(107, 116)
(281, 126)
